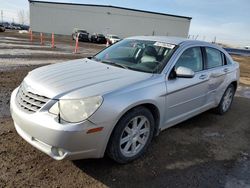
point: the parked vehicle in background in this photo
(83, 35)
(15, 26)
(5, 24)
(25, 27)
(247, 47)
(116, 101)
(9, 26)
(98, 38)
(2, 28)
(112, 39)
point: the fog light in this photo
(57, 151)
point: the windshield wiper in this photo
(123, 66)
(94, 58)
(140, 70)
(113, 63)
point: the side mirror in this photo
(184, 72)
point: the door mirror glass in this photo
(184, 72)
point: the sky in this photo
(227, 20)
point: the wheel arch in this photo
(151, 107)
(235, 84)
(156, 114)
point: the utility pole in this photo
(2, 15)
(215, 39)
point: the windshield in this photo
(139, 55)
(82, 31)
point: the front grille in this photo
(30, 102)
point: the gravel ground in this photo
(206, 151)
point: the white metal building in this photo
(62, 18)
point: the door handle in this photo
(226, 70)
(203, 76)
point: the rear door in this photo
(217, 71)
(186, 96)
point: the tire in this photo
(130, 139)
(226, 100)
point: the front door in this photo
(186, 96)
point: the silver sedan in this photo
(116, 101)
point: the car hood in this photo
(80, 78)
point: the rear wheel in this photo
(131, 136)
(226, 100)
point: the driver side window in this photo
(191, 58)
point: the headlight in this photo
(76, 110)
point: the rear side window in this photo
(191, 58)
(214, 58)
(227, 60)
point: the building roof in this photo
(110, 6)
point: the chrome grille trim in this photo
(30, 102)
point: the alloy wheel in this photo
(134, 136)
(227, 100)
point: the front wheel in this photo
(226, 100)
(131, 136)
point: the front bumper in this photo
(70, 141)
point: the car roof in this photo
(98, 34)
(170, 40)
(180, 41)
